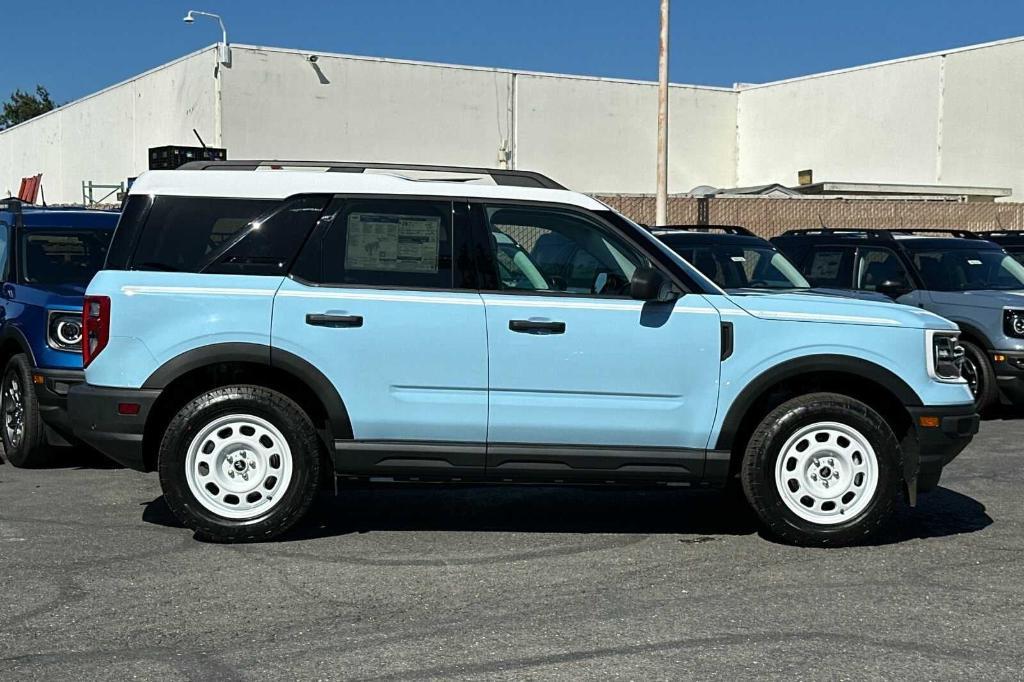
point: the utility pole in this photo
(661, 200)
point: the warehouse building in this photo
(945, 125)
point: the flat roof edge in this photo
(467, 67)
(742, 87)
(126, 81)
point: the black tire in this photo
(30, 449)
(979, 373)
(764, 448)
(277, 409)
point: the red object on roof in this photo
(30, 188)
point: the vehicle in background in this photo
(953, 273)
(47, 257)
(254, 332)
(740, 262)
(1012, 241)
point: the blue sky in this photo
(75, 47)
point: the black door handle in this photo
(536, 327)
(322, 320)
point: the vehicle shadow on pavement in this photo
(552, 509)
(939, 513)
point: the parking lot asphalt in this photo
(98, 581)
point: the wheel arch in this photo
(969, 332)
(861, 379)
(12, 342)
(186, 375)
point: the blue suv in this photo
(47, 256)
(953, 273)
(254, 332)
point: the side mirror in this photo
(893, 288)
(648, 284)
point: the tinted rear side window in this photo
(267, 246)
(384, 243)
(62, 257)
(181, 233)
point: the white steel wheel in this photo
(827, 473)
(239, 466)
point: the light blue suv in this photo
(256, 331)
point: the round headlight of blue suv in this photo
(1013, 323)
(65, 331)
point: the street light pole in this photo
(223, 49)
(661, 197)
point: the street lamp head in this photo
(189, 19)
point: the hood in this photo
(818, 291)
(983, 298)
(809, 307)
(66, 289)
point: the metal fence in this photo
(772, 217)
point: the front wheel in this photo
(23, 435)
(822, 470)
(239, 463)
(980, 376)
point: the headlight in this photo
(1013, 322)
(64, 331)
(947, 357)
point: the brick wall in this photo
(771, 217)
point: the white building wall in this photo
(982, 140)
(277, 105)
(950, 118)
(105, 137)
(601, 136)
(873, 124)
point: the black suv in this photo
(953, 273)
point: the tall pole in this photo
(661, 200)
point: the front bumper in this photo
(98, 419)
(52, 389)
(1009, 369)
(942, 432)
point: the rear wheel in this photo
(240, 463)
(980, 376)
(822, 470)
(23, 436)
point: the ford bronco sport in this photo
(47, 256)
(953, 273)
(253, 329)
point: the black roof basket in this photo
(12, 204)
(727, 229)
(500, 176)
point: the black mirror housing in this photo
(648, 284)
(893, 288)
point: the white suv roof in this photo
(279, 184)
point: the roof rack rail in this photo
(845, 231)
(500, 176)
(985, 234)
(962, 234)
(727, 229)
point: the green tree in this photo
(24, 105)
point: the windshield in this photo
(62, 256)
(969, 269)
(743, 267)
